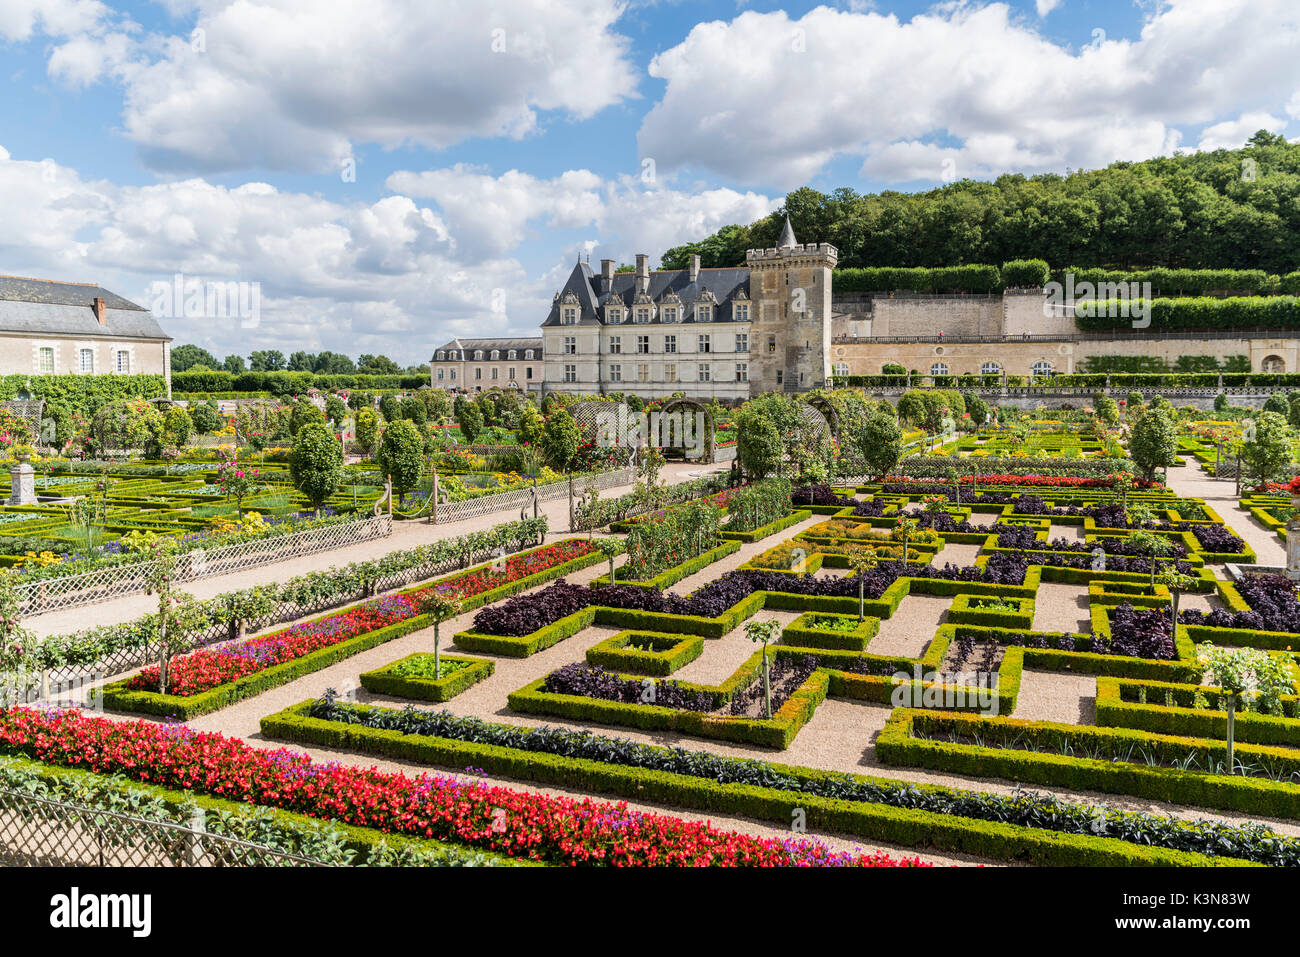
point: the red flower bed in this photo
(206, 669)
(1040, 481)
(538, 827)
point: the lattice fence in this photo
(282, 612)
(104, 584)
(41, 832)
(522, 499)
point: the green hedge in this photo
(898, 745)
(670, 652)
(1247, 312)
(794, 518)
(389, 681)
(671, 576)
(1183, 719)
(869, 821)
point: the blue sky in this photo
(494, 143)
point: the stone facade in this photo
(475, 365)
(723, 334)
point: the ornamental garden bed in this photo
(822, 630)
(730, 711)
(1192, 709)
(1028, 827)
(646, 652)
(671, 576)
(413, 677)
(210, 679)
(1179, 770)
(992, 610)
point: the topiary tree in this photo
(1277, 403)
(1266, 446)
(1221, 403)
(367, 428)
(1154, 442)
(759, 450)
(304, 412)
(560, 439)
(764, 632)
(531, 424)
(316, 462)
(206, 417)
(862, 561)
(177, 427)
(1107, 410)
(390, 407)
(976, 408)
(400, 455)
(131, 425)
(336, 410)
(470, 420)
(413, 410)
(1241, 674)
(440, 605)
(878, 445)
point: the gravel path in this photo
(1061, 607)
(910, 629)
(1190, 482)
(1057, 696)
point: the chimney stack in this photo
(606, 275)
(642, 273)
(101, 312)
(695, 268)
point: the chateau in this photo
(477, 364)
(712, 333)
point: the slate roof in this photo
(44, 307)
(502, 345)
(726, 284)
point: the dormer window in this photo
(478, 355)
(642, 314)
(528, 353)
(569, 316)
(496, 355)
(741, 311)
(614, 314)
(514, 354)
(703, 313)
(440, 355)
(669, 314)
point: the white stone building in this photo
(724, 333)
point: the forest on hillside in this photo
(1226, 209)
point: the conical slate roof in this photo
(787, 235)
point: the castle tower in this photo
(791, 289)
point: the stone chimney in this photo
(695, 268)
(642, 273)
(101, 311)
(606, 274)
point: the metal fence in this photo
(42, 832)
(523, 498)
(104, 584)
(282, 612)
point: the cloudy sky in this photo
(395, 172)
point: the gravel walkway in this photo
(1061, 607)
(1057, 696)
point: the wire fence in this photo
(43, 832)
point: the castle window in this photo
(642, 314)
(643, 372)
(45, 359)
(570, 373)
(478, 372)
(615, 344)
(496, 372)
(841, 368)
(990, 368)
(771, 343)
(478, 355)
(568, 315)
(670, 314)
(670, 372)
(570, 345)
(643, 344)
(496, 355)
(453, 375)
(86, 357)
(670, 343)
(703, 372)
(742, 342)
(1041, 367)
(440, 355)
(741, 311)
(513, 355)
(512, 373)
(939, 368)
(615, 314)
(742, 371)
(616, 373)
(702, 343)
(440, 375)
(703, 313)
